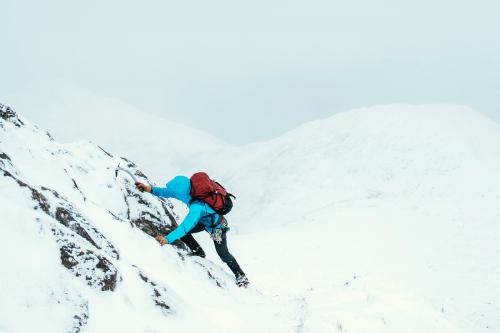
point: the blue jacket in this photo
(199, 211)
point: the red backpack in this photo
(205, 189)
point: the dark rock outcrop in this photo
(6, 113)
(95, 269)
(158, 292)
(76, 238)
(151, 214)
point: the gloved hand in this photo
(162, 240)
(143, 187)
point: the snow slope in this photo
(77, 251)
(404, 198)
(375, 220)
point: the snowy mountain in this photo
(77, 251)
(375, 220)
(414, 155)
(405, 198)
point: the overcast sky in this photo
(250, 70)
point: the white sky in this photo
(250, 70)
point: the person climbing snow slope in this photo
(201, 217)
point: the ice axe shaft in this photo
(119, 168)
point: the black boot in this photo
(242, 281)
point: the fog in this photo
(250, 70)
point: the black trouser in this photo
(221, 249)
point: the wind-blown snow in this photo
(382, 219)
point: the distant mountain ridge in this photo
(408, 153)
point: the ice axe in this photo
(119, 168)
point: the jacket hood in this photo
(180, 187)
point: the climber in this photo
(201, 217)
